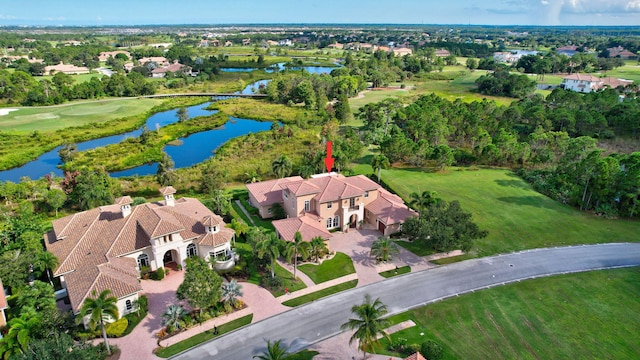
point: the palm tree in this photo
(368, 324)
(231, 291)
(20, 330)
(99, 309)
(173, 316)
(271, 247)
(46, 261)
(318, 247)
(295, 248)
(275, 351)
(384, 249)
(379, 162)
(281, 166)
(239, 226)
(424, 200)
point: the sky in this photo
(484, 12)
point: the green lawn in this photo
(592, 315)
(77, 79)
(321, 293)
(339, 266)
(415, 247)
(202, 337)
(288, 282)
(50, 118)
(395, 272)
(631, 71)
(516, 216)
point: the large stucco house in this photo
(3, 306)
(106, 247)
(585, 83)
(328, 202)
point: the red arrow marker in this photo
(328, 161)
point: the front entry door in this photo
(168, 257)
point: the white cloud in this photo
(619, 7)
(7, 17)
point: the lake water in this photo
(280, 66)
(194, 149)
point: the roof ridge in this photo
(126, 223)
(81, 240)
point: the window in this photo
(330, 205)
(269, 211)
(329, 222)
(143, 261)
(129, 305)
(352, 202)
(192, 250)
(307, 205)
(336, 221)
(284, 193)
(366, 194)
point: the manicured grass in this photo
(51, 118)
(631, 71)
(321, 293)
(415, 247)
(202, 337)
(577, 316)
(516, 216)
(394, 272)
(288, 282)
(452, 259)
(339, 266)
(77, 79)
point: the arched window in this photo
(329, 221)
(192, 250)
(336, 221)
(129, 305)
(143, 260)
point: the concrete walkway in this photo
(245, 212)
(314, 288)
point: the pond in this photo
(198, 147)
(281, 66)
(195, 146)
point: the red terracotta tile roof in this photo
(224, 235)
(124, 200)
(300, 188)
(308, 225)
(270, 192)
(335, 187)
(416, 356)
(167, 190)
(170, 68)
(89, 244)
(3, 299)
(389, 208)
(583, 77)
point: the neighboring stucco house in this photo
(3, 306)
(173, 68)
(328, 202)
(585, 83)
(67, 69)
(106, 247)
(105, 55)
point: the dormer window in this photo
(212, 229)
(366, 194)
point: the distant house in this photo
(285, 42)
(72, 43)
(104, 56)
(161, 72)
(228, 43)
(107, 247)
(272, 43)
(246, 42)
(336, 45)
(214, 42)
(3, 306)
(328, 202)
(442, 53)
(204, 43)
(585, 83)
(28, 40)
(10, 59)
(66, 69)
(160, 45)
(621, 52)
(512, 56)
(158, 60)
(402, 51)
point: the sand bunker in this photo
(6, 111)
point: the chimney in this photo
(168, 192)
(125, 205)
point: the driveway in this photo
(309, 324)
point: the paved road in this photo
(321, 319)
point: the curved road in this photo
(308, 324)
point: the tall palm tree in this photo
(379, 162)
(99, 309)
(173, 316)
(275, 351)
(281, 166)
(318, 247)
(424, 200)
(239, 226)
(46, 261)
(271, 246)
(20, 330)
(294, 248)
(368, 323)
(384, 249)
(231, 291)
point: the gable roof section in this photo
(301, 187)
(270, 192)
(308, 225)
(224, 235)
(416, 356)
(335, 187)
(583, 77)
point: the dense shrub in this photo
(117, 328)
(431, 350)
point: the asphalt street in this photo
(321, 319)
